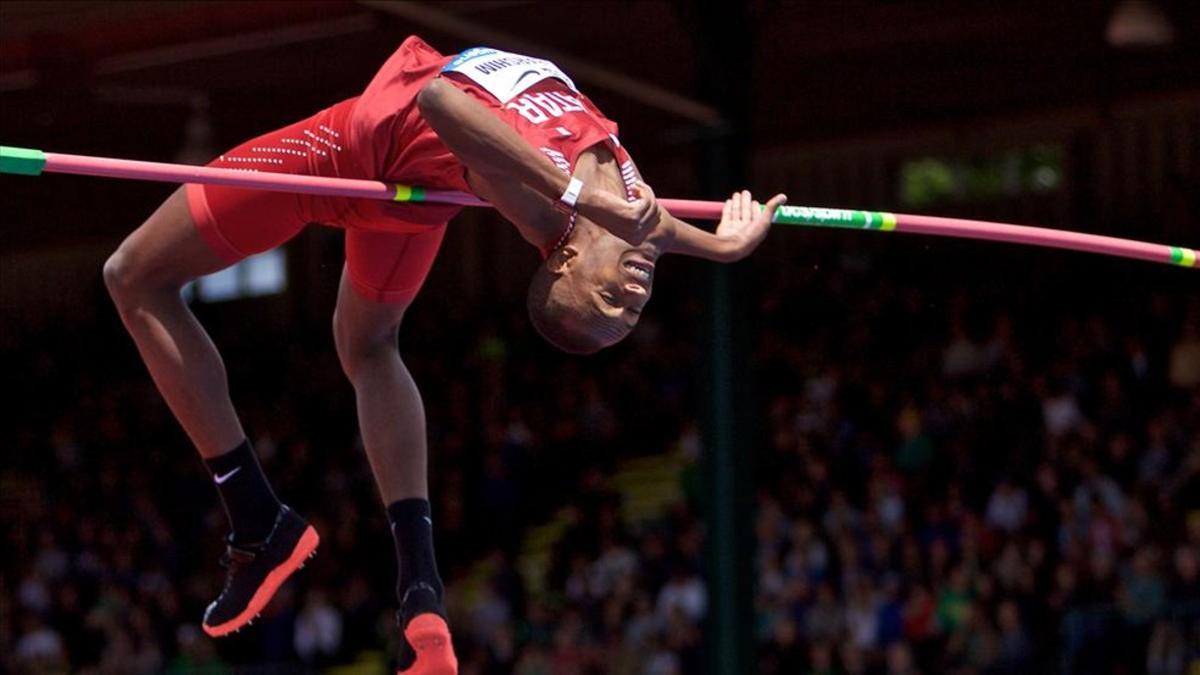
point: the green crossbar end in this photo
(22, 161)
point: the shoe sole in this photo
(430, 639)
(305, 548)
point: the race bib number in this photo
(503, 74)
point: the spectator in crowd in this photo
(318, 632)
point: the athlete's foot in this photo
(257, 571)
(430, 639)
(428, 648)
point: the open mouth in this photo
(639, 270)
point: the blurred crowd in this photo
(990, 482)
(956, 485)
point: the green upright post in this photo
(727, 472)
(723, 38)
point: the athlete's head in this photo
(590, 292)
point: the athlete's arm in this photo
(533, 215)
(742, 228)
(485, 144)
(490, 148)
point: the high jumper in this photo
(511, 129)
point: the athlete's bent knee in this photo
(127, 279)
(119, 276)
(360, 346)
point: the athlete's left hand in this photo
(744, 224)
(632, 221)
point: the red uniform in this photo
(380, 135)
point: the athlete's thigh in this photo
(168, 248)
(383, 273)
(389, 268)
(238, 222)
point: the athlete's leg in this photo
(144, 277)
(199, 230)
(391, 415)
(382, 275)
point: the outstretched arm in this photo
(742, 228)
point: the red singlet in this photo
(380, 135)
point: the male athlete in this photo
(512, 129)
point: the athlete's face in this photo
(611, 283)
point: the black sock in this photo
(419, 588)
(247, 496)
(412, 528)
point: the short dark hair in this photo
(551, 317)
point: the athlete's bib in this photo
(503, 74)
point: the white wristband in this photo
(566, 203)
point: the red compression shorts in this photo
(390, 248)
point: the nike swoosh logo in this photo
(525, 75)
(428, 520)
(221, 478)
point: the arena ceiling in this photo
(122, 78)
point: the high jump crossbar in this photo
(30, 162)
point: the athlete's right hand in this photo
(632, 221)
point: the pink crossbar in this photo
(682, 208)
